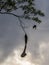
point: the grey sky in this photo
(11, 36)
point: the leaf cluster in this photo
(28, 9)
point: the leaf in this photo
(40, 13)
(26, 12)
(27, 17)
(34, 27)
(36, 19)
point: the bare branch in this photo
(24, 51)
(21, 25)
(12, 14)
(15, 16)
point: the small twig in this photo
(21, 25)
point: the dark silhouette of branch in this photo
(15, 16)
(24, 52)
(26, 40)
(12, 14)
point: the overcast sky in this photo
(12, 40)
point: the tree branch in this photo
(12, 14)
(21, 25)
(17, 17)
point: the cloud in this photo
(15, 59)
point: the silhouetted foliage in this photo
(28, 9)
(34, 26)
(29, 12)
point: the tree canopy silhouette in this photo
(29, 10)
